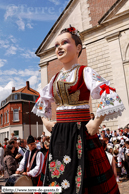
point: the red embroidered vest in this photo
(71, 93)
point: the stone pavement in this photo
(123, 186)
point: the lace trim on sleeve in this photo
(110, 105)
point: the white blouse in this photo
(110, 103)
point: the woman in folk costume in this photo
(76, 159)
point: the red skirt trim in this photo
(73, 115)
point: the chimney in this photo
(27, 85)
(13, 89)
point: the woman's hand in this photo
(93, 125)
(48, 124)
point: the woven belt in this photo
(72, 115)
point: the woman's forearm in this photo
(99, 120)
(93, 125)
(48, 124)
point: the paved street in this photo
(123, 186)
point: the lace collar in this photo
(66, 71)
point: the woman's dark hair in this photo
(6, 139)
(74, 37)
(92, 114)
(8, 150)
(11, 142)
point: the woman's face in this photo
(66, 49)
(13, 149)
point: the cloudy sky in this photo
(23, 26)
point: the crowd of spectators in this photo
(116, 145)
(12, 152)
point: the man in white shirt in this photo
(32, 162)
(121, 137)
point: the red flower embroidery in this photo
(62, 167)
(79, 173)
(78, 185)
(56, 172)
(78, 179)
(52, 164)
(80, 151)
(79, 147)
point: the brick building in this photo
(16, 115)
(104, 30)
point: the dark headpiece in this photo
(30, 139)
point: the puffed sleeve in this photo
(110, 103)
(42, 106)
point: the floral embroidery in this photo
(50, 157)
(97, 77)
(78, 125)
(118, 99)
(66, 159)
(65, 184)
(54, 184)
(64, 76)
(78, 179)
(108, 101)
(57, 168)
(79, 147)
(39, 105)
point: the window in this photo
(7, 116)
(4, 117)
(15, 115)
(1, 119)
(15, 97)
(16, 133)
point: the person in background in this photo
(47, 143)
(32, 162)
(92, 116)
(39, 144)
(119, 158)
(126, 163)
(110, 158)
(5, 142)
(104, 127)
(43, 134)
(21, 150)
(121, 137)
(114, 137)
(1, 160)
(110, 149)
(13, 142)
(108, 133)
(102, 135)
(10, 164)
(125, 133)
(13, 135)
